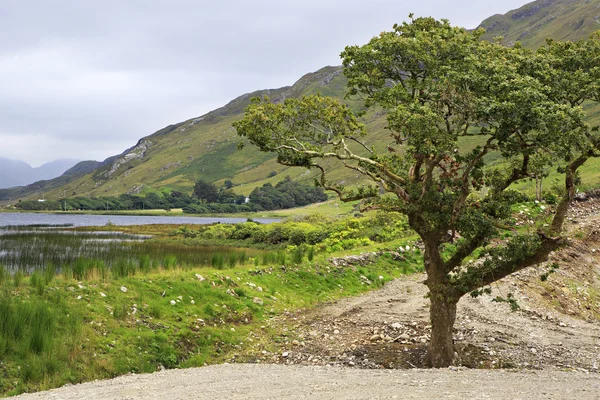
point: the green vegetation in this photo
(210, 200)
(108, 307)
(440, 86)
(316, 232)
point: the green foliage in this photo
(510, 300)
(552, 268)
(205, 191)
(313, 232)
(438, 85)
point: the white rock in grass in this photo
(123, 289)
(258, 300)
(173, 302)
(102, 294)
(200, 277)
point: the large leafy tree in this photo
(453, 103)
(206, 191)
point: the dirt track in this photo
(238, 381)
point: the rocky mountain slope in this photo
(534, 22)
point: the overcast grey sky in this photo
(86, 79)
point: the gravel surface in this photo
(239, 381)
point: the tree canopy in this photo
(206, 191)
(453, 103)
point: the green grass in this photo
(114, 308)
(77, 330)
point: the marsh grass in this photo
(87, 255)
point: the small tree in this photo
(206, 192)
(453, 105)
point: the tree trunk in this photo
(442, 311)
(441, 347)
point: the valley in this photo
(420, 222)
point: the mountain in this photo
(18, 173)
(203, 147)
(206, 147)
(534, 22)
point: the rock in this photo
(192, 302)
(285, 354)
(404, 336)
(258, 300)
(313, 333)
(375, 338)
(173, 302)
(102, 294)
(396, 325)
(336, 332)
(295, 343)
(200, 277)
(123, 289)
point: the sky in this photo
(86, 79)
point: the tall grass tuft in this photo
(232, 260)
(281, 258)
(120, 311)
(49, 273)
(218, 261)
(298, 255)
(169, 261)
(18, 278)
(144, 263)
(38, 282)
(311, 253)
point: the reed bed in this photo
(82, 255)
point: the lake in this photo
(19, 219)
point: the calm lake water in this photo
(7, 219)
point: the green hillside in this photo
(536, 21)
(206, 147)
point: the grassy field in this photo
(107, 308)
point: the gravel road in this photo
(249, 381)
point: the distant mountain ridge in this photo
(206, 147)
(18, 173)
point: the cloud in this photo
(88, 79)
